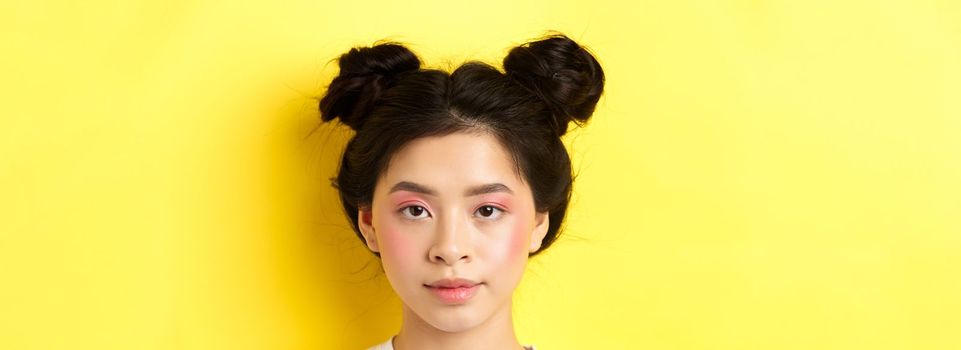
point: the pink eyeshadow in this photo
(402, 198)
(502, 200)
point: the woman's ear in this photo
(366, 225)
(541, 222)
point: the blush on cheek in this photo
(509, 246)
(519, 242)
(393, 241)
(390, 234)
(398, 256)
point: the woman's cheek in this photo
(520, 238)
(396, 241)
(393, 240)
(510, 249)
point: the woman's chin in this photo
(451, 320)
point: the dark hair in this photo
(388, 99)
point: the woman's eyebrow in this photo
(473, 191)
(488, 188)
(412, 187)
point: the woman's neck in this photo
(497, 332)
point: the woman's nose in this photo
(452, 243)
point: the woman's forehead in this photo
(455, 162)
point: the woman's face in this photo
(452, 207)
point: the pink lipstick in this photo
(454, 291)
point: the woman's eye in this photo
(489, 212)
(415, 212)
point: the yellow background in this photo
(759, 174)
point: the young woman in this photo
(455, 179)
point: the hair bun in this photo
(364, 73)
(562, 73)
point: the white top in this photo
(389, 345)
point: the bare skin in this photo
(496, 333)
(450, 207)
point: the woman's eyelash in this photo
(414, 211)
(495, 211)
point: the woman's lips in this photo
(453, 290)
(455, 295)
